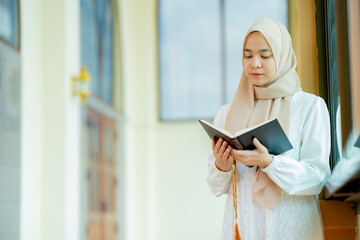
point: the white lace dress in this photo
(300, 173)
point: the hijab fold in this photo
(253, 104)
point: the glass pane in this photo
(240, 14)
(9, 19)
(334, 96)
(190, 73)
(10, 142)
(107, 49)
(97, 46)
(344, 181)
(192, 80)
(90, 43)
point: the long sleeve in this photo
(219, 182)
(307, 175)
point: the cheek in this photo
(271, 68)
(246, 66)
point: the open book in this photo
(270, 134)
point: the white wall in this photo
(31, 120)
(182, 200)
(165, 163)
(61, 120)
(50, 120)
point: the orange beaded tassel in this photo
(234, 182)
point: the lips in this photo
(256, 74)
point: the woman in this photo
(277, 198)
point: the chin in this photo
(258, 83)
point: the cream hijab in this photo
(253, 105)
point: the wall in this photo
(339, 220)
(303, 32)
(61, 120)
(31, 131)
(165, 163)
(51, 120)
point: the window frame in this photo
(335, 72)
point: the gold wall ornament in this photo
(80, 84)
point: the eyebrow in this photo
(261, 50)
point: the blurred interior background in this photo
(100, 102)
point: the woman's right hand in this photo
(221, 150)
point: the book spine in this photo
(236, 143)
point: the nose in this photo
(256, 62)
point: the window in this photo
(329, 70)
(338, 61)
(10, 121)
(200, 52)
(97, 46)
(9, 19)
(101, 126)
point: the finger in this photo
(259, 146)
(226, 154)
(242, 156)
(218, 145)
(243, 160)
(241, 153)
(213, 142)
(223, 147)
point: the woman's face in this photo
(258, 60)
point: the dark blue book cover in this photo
(357, 143)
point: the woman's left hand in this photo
(257, 157)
